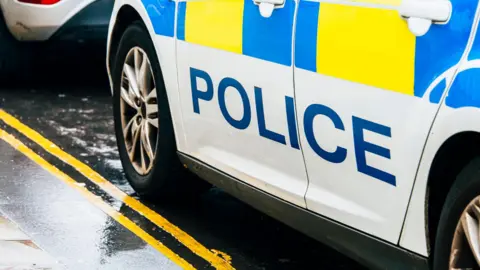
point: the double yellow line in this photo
(188, 241)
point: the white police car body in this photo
(349, 120)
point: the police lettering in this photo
(361, 147)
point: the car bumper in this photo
(90, 25)
(66, 20)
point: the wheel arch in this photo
(454, 140)
(122, 16)
(126, 16)
(454, 154)
(125, 12)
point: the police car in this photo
(356, 122)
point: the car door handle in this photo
(266, 7)
(420, 14)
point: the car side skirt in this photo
(366, 249)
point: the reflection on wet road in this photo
(79, 120)
(75, 232)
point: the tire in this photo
(167, 179)
(16, 58)
(464, 190)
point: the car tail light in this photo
(40, 2)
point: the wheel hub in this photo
(143, 110)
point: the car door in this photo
(367, 91)
(236, 88)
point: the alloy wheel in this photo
(465, 250)
(139, 110)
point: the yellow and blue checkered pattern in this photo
(372, 46)
(365, 45)
(237, 26)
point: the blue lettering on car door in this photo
(361, 147)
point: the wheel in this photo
(15, 57)
(143, 124)
(457, 244)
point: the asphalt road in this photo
(71, 107)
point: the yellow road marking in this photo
(224, 255)
(95, 200)
(181, 236)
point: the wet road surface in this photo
(73, 230)
(19, 251)
(77, 117)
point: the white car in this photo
(356, 122)
(49, 22)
